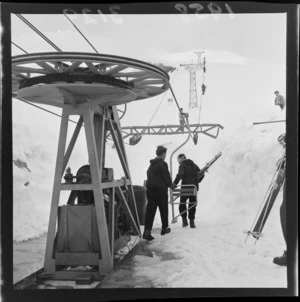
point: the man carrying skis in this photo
(158, 182)
(187, 173)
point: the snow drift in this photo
(215, 253)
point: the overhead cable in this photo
(161, 100)
(18, 47)
(49, 111)
(38, 32)
(43, 109)
(81, 34)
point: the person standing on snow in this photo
(279, 100)
(158, 182)
(282, 260)
(187, 173)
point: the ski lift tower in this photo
(89, 86)
(192, 68)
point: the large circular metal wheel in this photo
(75, 78)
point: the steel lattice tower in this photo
(192, 68)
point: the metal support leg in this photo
(111, 222)
(72, 143)
(105, 264)
(121, 152)
(131, 197)
(126, 208)
(49, 264)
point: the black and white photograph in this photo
(150, 147)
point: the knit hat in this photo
(160, 150)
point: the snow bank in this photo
(35, 142)
(32, 190)
(238, 181)
(215, 253)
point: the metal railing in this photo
(182, 190)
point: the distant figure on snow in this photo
(187, 173)
(158, 182)
(279, 100)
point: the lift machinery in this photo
(89, 86)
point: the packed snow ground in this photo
(212, 255)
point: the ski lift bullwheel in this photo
(70, 78)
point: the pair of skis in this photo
(270, 197)
(201, 173)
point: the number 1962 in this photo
(197, 8)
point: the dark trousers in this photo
(182, 206)
(283, 213)
(157, 197)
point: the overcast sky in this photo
(246, 35)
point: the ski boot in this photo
(192, 223)
(165, 231)
(147, 235)
(282, 260)
(184, 222)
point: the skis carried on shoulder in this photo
(273, 190)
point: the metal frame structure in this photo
(71, 81)
(182, 190)
(192, 68)
(172, 129)
(62, 70)
(206, 129)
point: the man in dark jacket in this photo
(158, 182)
(187, 173)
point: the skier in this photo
(158, 182)
(187, 173)
(279, 100)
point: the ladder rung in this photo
(184, 194)
(191, 203)
(184, 190)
